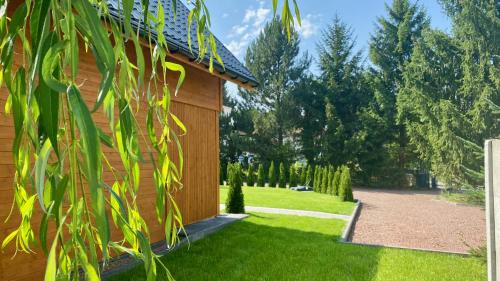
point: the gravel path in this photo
(301, 213)
(417, 219)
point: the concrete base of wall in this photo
(194, 232)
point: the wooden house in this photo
(198, 105)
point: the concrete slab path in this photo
(301, 213)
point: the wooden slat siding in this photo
(197, 106)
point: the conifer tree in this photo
(336, 181)
(235, 201)
(345, 190)
(293, 176)
(309, 176)
(324, 180)
(272, 175)
(315, 181)
(260, 176)
(331, 172)
(303, 175)
(282, 176)
(250, 176)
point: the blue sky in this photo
(237, 22)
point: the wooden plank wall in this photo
(197, 105)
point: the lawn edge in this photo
(351, 223)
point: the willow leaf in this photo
(40, 167)
(182, 73)
(38, 16)
(91, 152)
(50, 64)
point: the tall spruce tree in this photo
(273, 58)
(449, 88)
(250, 176)
(390, 49)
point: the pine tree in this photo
(272, 175)
(336, 181)
(303, 175)
(250, 176)
(309, 177)
(260, 176)
(235, 201)
(330, 180)
(324, 180)
(345, 190)
(293, 176)
(282, 176)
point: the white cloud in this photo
(225, 15)
(250, 27)
(309, 26)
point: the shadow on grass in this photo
(267, 247)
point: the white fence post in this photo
(492, 190)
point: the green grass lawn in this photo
(278, 247)
(289, 199)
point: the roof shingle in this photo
(176, 34)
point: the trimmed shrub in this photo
(345, 189)
(260, 176)
(317, 176)
(235, 202)
(250, 176)
(222, 175)
(324, 180)
(336, 181)
(282, 178)
(293, 176)
(303, 175)
(331, 172)
(272, 176)
(228, 172)
(309, 176)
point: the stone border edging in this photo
(350, 223)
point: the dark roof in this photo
(176, 35)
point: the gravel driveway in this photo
(417, 219)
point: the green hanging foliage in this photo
(57, 148)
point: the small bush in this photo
(324, 180)
(272, 176)
(331, 172)
(282, 178)
(235, 202)
(303, 175)
(260, 176)
(250, 176)
(336, 181)
(345, 189)
(309, 176)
